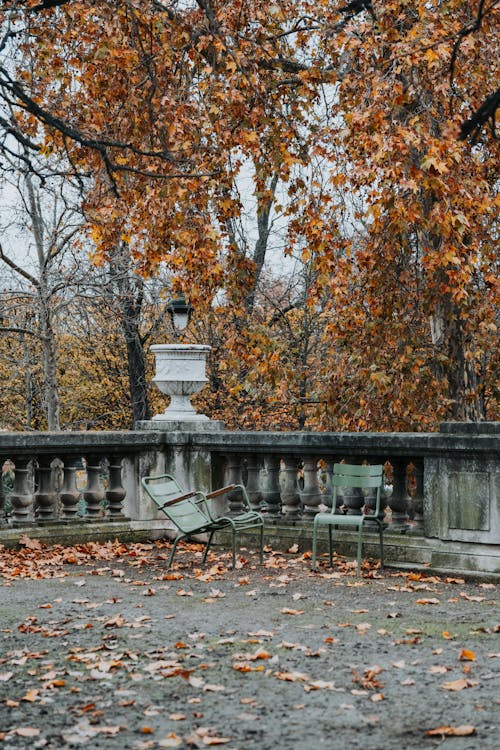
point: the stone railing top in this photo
(361, 443)
(446, 442)
(78, 441)
(470, 428)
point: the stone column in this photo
(93, 493)
(290, 497)
(417, 501)
(254, 468)
(115, 493)
(398, 501)
(22, 494)
(271, 491)
(70, 494)
(233, 475)
(310, 494)
(45, 495)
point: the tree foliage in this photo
(370, 128)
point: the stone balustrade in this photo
(438, 486)
(73, 478)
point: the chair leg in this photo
(171, 558)
(360, 548)
(209, 542)
(234, 546)
(315, 530)
(381, 535)
(262, 544)
(330, 544)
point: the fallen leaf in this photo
(171, 740)
(115, 622)
(466, 655)
(291, 676)
(427, 601)
(288, 611)
(29, 543)
(362, 627)
(469, 598)
(245, 666)
(31, 696)
(319, 685)
(457, 685)
(462, 731)
(26, 731)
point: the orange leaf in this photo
(466, 655)
(462, 731)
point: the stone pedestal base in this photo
(185, 425)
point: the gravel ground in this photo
(120, 653)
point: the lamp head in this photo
(179, 311)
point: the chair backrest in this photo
(358, 476)
(184, 509)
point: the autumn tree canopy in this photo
(370, 128)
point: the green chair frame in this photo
(190, 512)
(362, 477)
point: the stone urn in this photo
(180, 373)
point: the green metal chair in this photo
(361, 477)
(190, 512)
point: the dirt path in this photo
(121, 654)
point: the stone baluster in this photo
(254, 468)
(290, 497)
(417, 500)
(271, 490)
(70, 494)
(45, 493)
(398, 501)
(93, 493)
(22, 492)
(233, 475)
(310, 494)
(115, 492)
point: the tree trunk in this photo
(136, 363)
(459, 367)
